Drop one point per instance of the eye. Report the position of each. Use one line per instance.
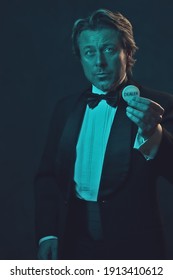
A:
(89, 53)
(109, 50)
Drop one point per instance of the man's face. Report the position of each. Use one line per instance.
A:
(102, 57)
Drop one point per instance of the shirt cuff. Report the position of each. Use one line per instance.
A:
(149, 147)
(47, 238)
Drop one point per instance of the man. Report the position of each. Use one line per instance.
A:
(96, 195)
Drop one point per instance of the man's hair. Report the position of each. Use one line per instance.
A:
(104, 18)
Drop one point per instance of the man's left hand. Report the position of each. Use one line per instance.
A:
(146, 114)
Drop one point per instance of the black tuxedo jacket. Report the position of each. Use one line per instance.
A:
(128, 189)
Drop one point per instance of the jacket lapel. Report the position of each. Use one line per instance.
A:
(118, 152)
(67, 148)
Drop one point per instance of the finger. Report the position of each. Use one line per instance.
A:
(144, 104)
(134, 118)
(151, 117)
(144, 126)
(136, 113)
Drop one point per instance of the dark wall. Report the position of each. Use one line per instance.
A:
(36, 68)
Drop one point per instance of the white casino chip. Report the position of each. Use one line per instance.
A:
(129, 92)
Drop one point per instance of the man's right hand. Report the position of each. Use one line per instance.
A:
(48, 250)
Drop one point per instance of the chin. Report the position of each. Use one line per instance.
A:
(104, 87)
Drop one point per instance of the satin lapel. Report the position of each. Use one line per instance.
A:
(67, 148)
(118, 151)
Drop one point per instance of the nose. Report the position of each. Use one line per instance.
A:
(100, 59)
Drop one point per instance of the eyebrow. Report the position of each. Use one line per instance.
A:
(103, 45)
(88, 46)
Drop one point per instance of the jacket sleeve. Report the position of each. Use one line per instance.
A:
(48, 200)
(163, 162)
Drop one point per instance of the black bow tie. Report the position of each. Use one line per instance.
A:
(93, 99)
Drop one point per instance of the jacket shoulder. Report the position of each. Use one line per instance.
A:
(70, 100)
(165, 99)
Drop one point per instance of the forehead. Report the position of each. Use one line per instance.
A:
(98, 37)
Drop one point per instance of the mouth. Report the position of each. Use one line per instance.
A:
(102, 74)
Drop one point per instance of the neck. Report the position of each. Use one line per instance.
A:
(120, 83)
(116, 86)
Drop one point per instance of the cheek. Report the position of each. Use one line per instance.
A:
(119, 64)
(87, 68)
